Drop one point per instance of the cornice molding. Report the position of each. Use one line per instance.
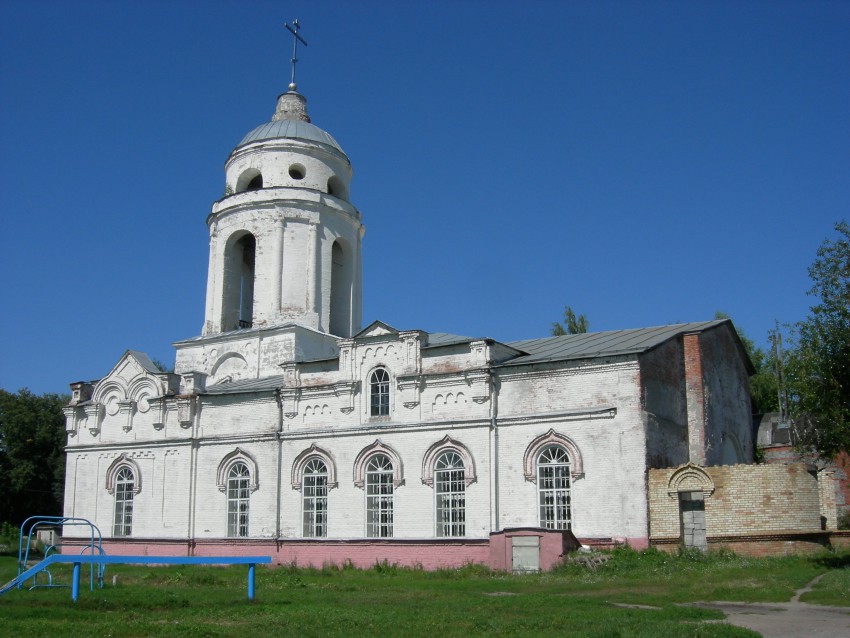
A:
(522, 372)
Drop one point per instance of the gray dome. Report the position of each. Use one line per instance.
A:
(291, 129)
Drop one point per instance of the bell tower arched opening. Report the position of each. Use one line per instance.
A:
(249, 180)
(342, 279)
(239, 272)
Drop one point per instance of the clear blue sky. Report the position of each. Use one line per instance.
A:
(643, 162)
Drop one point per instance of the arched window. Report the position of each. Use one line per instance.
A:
(379, 497)
(553, 487)
(249, 180)
(124, 490)
(342, 278)
(246, 250)
(450, 492)
(255, 184)
(238, 497)
(336, 187)
(314, 490)
(379, 392)
(238, 290)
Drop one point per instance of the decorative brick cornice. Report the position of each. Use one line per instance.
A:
(236, 456)
(447, 444)
(300, 462)
(94, 416)
(378, 447)
(112, 473)
(529, 459)
(690, 478)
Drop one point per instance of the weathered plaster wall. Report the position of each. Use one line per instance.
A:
(665, 405)
(608, 498)
(728, 412)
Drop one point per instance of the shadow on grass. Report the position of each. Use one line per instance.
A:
(832, 561)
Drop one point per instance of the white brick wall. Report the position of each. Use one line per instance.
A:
(597, 406)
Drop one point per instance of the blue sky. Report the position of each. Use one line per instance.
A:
(643, 162)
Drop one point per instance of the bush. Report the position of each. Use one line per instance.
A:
(8, 539)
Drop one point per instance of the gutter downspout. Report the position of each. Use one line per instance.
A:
(279, 463)
(495, 523)
(193, 475)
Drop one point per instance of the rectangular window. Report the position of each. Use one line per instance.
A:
(379, 506)
(123, 509)
(451, 502)
(125, 484)
(315, 506)
(238, 500)
(554, 490)
(380, 393)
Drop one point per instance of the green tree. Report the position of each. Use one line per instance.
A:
(572, 325)
(162, 366)
(32, 458)
(818, 371)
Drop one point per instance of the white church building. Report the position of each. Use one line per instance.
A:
(286, 428)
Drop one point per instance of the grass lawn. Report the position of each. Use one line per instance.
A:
(386, 601)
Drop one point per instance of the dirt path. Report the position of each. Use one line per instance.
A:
(787, 620)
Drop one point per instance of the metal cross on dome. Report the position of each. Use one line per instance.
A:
(295, 39)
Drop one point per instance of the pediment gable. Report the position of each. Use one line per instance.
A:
(132, 364)
(376, 329)
(133, 371)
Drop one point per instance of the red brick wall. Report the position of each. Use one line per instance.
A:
(694, 392)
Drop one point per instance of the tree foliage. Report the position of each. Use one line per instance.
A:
(32, 458)
(818, 369)
(572, 325)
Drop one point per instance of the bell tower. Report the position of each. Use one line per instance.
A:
(285, 241)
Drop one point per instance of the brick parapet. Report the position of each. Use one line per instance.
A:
(746, 499)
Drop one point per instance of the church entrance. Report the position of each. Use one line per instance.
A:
(692, 520)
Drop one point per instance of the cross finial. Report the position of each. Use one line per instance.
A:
(295, 39)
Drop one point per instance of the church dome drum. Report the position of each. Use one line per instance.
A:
(284, 240)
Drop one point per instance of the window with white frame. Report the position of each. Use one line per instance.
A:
(450, 493)
(553, 487)
(238, 497)
(379, 392)
(379, 497)
(314, 490)
(125, 484)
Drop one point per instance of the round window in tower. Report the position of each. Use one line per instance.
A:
(296, 171)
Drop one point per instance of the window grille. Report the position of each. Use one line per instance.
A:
(314, 487)
(124, 485)
(780, 434)
(379, 497)
(238, 491)
(553, 488)
(380, 392)
(450, 490)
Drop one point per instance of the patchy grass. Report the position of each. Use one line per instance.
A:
(834, 587)
(471, 601)
(654, 577)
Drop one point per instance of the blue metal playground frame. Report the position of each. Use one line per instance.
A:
(97, 559)
(103, 560)
(94, 547)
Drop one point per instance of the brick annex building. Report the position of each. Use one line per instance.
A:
(287, 429)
